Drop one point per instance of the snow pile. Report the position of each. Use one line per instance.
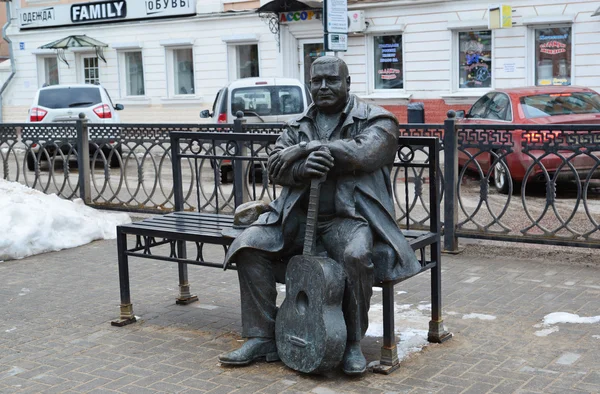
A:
(554, 318)
(411, 327)
(479, 316)
(33, 222)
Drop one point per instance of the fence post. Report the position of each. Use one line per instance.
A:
(240, 194)
(450, 183)
(83, 159)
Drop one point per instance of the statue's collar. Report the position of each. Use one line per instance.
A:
(353, 109)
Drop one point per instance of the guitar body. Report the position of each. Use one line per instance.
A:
(310, 329)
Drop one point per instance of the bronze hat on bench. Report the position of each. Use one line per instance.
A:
(245, 214)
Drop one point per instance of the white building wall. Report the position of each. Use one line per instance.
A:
(429, 32)
(210, 63)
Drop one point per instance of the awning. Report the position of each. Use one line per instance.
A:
(78, 41)
(277, 6)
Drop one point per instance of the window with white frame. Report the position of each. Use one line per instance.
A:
(133, 73)
(553, 54)
(91, 71)
(48, 71)
(243, 61)
(475, 59)
(182, 71)
(388, 72)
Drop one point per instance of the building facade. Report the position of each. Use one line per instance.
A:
(165, 60)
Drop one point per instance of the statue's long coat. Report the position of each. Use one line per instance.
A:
(363, 161)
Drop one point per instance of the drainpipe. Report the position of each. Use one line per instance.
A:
(10, 55)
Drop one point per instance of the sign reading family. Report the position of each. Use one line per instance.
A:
(103, 11)
(98, 11)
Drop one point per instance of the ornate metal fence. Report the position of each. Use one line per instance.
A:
(520, 183)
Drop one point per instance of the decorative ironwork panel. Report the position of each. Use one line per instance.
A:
(423, 130)
(530, 183)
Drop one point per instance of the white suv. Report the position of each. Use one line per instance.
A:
(64, 103)
(262, 100)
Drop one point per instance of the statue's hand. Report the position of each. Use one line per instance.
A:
(281, 161)
(317, 164)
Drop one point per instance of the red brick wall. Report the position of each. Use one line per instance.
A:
(435, 110)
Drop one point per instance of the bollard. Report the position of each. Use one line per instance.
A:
(83, 159)
(451, 184)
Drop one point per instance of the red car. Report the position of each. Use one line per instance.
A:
(548, 105)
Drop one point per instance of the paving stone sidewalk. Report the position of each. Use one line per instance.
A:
(55, 335)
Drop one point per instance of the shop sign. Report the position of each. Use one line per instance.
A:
(102, 11)
(98, 11)
(299, 16)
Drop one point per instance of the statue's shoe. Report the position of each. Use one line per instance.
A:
(254, 349)
(354, 362)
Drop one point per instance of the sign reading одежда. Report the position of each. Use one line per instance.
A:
(102, 11)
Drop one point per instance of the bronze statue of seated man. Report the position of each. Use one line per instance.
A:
(356, 210)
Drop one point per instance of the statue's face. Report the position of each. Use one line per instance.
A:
(329, 87)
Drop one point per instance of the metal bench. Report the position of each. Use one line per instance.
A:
(175, 232)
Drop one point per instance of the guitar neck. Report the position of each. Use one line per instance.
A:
(310, 236)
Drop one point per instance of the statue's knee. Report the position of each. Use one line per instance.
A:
(357, 255)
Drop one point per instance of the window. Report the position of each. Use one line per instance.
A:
(48, 71)
(243, 61)
(183, 71)
(69, 97)
(553, 56)
(475, 59)
(267, 101)
(247, 61)
(134, 73)
(560, 104)
(90, 70)
(388, 70)
(495, 106)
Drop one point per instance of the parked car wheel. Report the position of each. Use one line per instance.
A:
(502, 178)
(30, 162)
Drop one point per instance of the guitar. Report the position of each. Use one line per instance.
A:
(310, 330)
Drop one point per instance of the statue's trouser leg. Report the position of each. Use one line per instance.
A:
(350, 242)
(257, 273)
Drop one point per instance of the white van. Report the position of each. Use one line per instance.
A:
(262, 100)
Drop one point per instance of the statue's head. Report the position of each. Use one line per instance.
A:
(329, 84)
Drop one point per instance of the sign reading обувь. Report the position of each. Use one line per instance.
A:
(103, 11)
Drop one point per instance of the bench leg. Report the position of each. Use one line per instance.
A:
(126, 316)
(389, 352)
(437, 332)
(185, 297)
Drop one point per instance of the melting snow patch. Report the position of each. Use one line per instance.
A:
(24, 291)
(562, 317)
(596, 336)
(479, 316)
(401, 292)
(34, 222)
(281, 288)
(568, 358)
(411, 327)
(424, 307)
(546, 331)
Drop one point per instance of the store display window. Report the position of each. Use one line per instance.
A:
(553, 56)
(475, 59)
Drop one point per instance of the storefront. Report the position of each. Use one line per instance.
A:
(163, 60)
(444, 54)
(169, 68)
